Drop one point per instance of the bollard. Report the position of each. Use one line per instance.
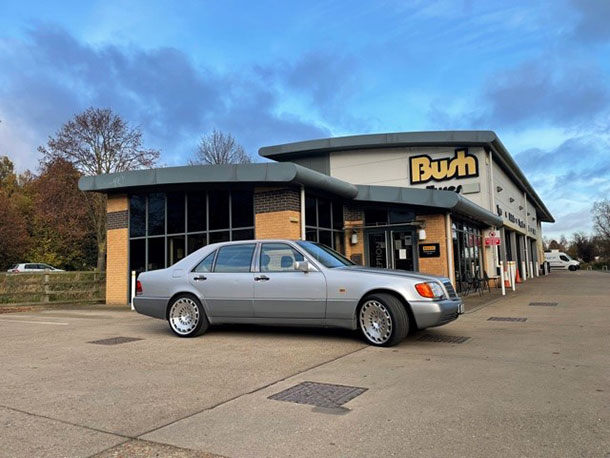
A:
(133, 287)
(513, 274)
(502, 278)
(537, 269)
(524, 270)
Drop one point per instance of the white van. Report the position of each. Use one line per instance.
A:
(559, 260)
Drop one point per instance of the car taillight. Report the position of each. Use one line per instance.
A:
(138, 288)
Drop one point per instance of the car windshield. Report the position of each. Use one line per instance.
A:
(324, 255)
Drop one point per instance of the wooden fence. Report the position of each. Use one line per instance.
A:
(52, 287)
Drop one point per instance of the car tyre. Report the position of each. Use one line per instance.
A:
(383, 320)
(572, 268)
(186, 316)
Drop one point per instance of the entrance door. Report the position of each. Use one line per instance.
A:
(389, 249)
(377, 248)
(403, 250)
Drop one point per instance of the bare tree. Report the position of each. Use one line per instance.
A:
(219, 148)
(98, 141)
(601, 218)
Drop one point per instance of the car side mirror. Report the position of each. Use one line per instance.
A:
(303, 266)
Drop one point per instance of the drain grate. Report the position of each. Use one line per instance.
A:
(319, 394)
(443, 339)
(544, 304)
(114, 340)
(505, 318)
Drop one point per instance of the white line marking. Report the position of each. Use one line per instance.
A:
(35, 322)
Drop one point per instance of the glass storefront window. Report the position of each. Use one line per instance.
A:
(219, 209)
(137, 215)
(164, 228)
(324, 222)
(175, 212)
(197, 212)
(156, 213)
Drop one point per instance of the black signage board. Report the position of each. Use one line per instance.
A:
(429, 250)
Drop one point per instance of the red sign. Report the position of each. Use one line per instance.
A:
(492, 240)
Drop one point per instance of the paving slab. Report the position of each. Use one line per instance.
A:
(27, 435)
(535, 388)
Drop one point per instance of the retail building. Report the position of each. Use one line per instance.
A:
(424, 201)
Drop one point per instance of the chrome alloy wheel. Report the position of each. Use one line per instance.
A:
(376, 322)
(184, 316)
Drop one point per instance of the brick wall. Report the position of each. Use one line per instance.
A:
(435, 233)
(276, 199)
(277, 213)
(278, 225)
(117, 249)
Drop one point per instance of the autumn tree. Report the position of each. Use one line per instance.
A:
(14, 239)
(96, 142)
(219, 148)
(63, 235)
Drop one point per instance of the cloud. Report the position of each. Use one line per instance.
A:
(560, 94)
(49, 76)
(569, 179)
(593, 21)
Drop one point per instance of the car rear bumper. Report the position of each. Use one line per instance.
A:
(150, 306)
(437, 313)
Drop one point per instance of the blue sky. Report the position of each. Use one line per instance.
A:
(537, 73)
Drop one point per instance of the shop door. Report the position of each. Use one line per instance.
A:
(377, 249)
(391, 249)
(403, 250)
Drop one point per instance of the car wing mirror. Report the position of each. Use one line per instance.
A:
(303, 266)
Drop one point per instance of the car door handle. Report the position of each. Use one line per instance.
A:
(200, 278)
(261, 278)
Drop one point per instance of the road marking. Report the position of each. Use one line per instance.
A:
(35, 322)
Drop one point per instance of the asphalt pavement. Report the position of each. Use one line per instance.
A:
(534, 381)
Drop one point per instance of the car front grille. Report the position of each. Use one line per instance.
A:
(450, 290)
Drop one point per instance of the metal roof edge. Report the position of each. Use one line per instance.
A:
(270, 172)
(447, 200)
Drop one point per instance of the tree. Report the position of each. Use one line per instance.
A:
(62, 232)
(14, 240)
(601, 218)
(219, 148)
(98, 141)
(583, 247)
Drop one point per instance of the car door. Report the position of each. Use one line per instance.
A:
(226, 281)
(280, 291)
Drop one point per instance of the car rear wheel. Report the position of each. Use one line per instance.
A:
(186, 317)
(383, 320)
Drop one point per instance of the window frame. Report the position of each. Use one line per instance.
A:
(260, 256)
(252, 258)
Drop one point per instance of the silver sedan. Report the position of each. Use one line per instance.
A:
(284, 282)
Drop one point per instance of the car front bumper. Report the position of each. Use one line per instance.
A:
(429, 314)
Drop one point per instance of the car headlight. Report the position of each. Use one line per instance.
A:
(430, 290)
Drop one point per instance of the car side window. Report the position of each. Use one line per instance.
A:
(234, 258)
(206, 264)
(279, 257)
(30, 266)
(564, 258)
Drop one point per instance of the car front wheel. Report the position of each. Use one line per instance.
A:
(383, 320)
(186, 317)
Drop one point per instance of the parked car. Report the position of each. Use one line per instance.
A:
(559, 260)
(33, 267)
(301, 283)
